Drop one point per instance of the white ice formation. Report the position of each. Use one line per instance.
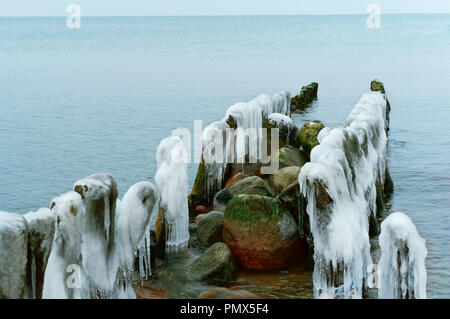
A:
(221, 146)
(340, 186)
(133, 235)
(64, 278)
(172, 184)
(401, 270)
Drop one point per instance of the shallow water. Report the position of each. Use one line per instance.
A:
(76, 102)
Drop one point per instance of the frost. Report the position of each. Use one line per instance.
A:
(172, 183)
(339, 184)
(402, 270)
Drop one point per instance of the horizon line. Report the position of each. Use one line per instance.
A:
(228, 15)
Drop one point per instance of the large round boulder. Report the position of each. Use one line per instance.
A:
(210, 228)
(249, 185)
(214, 265)
(283, 178)
(261, 233)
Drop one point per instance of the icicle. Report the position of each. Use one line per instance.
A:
(133, 236)
(172, 183)
(402, 272)
(339, 184)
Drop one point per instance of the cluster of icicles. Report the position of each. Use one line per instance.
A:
(106, 250)
(222, 144)
(346, 165)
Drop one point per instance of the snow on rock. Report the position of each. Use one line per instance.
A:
(99, 194)
(402, 273)
(41, 229)
(13, 255)
(339, 184)
(172, 183)
(62, 279)
(133, 235)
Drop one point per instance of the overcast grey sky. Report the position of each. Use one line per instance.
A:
(216, 7)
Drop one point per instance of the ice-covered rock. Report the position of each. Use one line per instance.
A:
(13, 255)
(133, 235)
(172, 183)
(99, 194)
(402, 272)
(64, 276)
(340, 186)
(41, 230)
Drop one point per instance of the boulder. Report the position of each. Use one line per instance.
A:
(13, 255)
(198, 193)
(378, 86)
(214, 265)
(261, 233)
(235, 178)
(307, 136)
(41, 230)
(210, 228)
(249, 185)
(283, 177)
(224, 293)
(307, 94)
(290, 156)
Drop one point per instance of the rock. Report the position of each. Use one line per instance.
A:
(99, 194)
(235, 179)
(261, 233)
(283, 178)
(198, 193)
(210, 228)
(200, 209)
(247, 168)
(376, 85)
(158, 250)
(224, 293)
(13, 255)
(290, 156)
(197, 219)
(41, 230)
(308, 136)
(388, 184)
(249, 185)
(287, 131)
(151, 293)
(214, 265)
(307, 94)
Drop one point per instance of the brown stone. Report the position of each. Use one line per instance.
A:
(235, 178)
(224, 293)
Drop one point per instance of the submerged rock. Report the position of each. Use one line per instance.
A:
(224, 293)
(307, 94)
(13, 255)
(261, 233)
(210, 228)
(41, 230)
(307, 136)
(250, 185)
(283, 178)
(290, 156)
(214, 265)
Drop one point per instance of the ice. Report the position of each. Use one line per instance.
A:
(66, 252)
(339, 184)
(222, 146)
(13, 255)
(133, 237)
(41, 229)
(172, 184)
(280, 119)
(402, 273)
(99, 193)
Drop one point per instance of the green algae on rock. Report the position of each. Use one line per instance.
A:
(307, 136)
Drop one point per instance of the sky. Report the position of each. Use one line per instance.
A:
(216, 7)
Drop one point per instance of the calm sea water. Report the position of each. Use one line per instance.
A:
(100, 98)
